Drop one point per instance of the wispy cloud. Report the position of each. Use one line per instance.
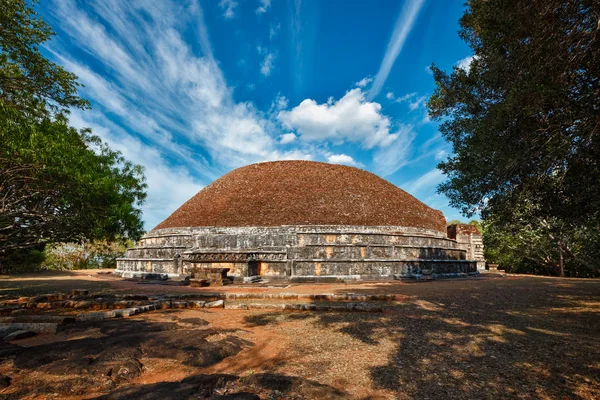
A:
(155, 94)
(168, 185)
(419, 102)
(401, 99)
(267, 64)
(303, 18)
(364, 82)
(263, 6)
(274, 30)
(228, 6)
(389, 159)
(404, 25)
(426, 182)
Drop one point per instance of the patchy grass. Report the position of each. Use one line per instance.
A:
(512, 337)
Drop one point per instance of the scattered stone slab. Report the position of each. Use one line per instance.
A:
(57, 319)
(38, 327)
(215, 304)
(96, 316)
(7, 329)
(80, 292)
(252, 279)
(17, 335)
(367, 307)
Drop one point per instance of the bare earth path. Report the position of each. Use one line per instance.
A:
(478, 338)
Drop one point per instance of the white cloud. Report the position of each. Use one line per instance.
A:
(406, 97)
(393, 157)
(440, 155)
(287, 138)
(428, 70)
(426, 182)
(401, 99)
(274, 30)
(364, 82)
(351, 118)
(293, 155)
(266, 66)
(263, 6)
(413, 101)
(228, 6)
(280, 103)
(417, 103)
(342, 159)
(404, 25)
(465, 63)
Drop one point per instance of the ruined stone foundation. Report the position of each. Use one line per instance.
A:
(300, 253)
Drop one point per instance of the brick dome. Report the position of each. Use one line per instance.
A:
(303, 193)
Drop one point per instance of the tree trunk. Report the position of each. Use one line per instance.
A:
(561, 262)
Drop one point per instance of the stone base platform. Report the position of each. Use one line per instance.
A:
(294, 253)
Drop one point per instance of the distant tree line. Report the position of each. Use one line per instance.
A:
(524, 123)
(57, 184)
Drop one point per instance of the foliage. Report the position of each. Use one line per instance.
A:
(57, 184)
(475, 222)
(86, 255)
(61, 185)
(524, 124)
(28, 81)
(22, 261)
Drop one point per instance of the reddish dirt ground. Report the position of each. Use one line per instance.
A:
(516, 337)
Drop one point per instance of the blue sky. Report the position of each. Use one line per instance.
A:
(192, 89)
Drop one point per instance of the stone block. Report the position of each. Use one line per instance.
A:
(17, 335)
(96, 316)
(215, 304)
(39, 327)
(251, 279)
(6, 329)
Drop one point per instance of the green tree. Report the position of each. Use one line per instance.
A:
(524, 122)
(57, 184)
(28, 81)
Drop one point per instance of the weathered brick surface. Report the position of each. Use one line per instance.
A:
(303, 193)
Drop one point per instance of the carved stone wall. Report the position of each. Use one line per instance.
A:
(288, 251)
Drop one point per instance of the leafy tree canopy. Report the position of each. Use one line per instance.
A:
(524, 119)
(57, 184)
(60, 185)
(28, 81)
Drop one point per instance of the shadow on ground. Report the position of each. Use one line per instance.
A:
(222, 386)
(525, 338)
(49, 282)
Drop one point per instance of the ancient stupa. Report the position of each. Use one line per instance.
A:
(301, 220)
